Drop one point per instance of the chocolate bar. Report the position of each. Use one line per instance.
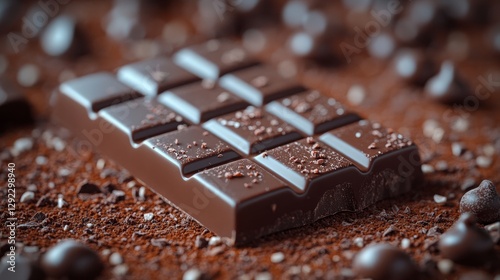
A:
(245, 152)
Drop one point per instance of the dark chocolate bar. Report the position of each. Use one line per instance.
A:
(246, 154)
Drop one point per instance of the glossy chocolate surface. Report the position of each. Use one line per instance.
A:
(97, 91)
(260, 84)
(142, 118)
(311, 112)
(153, 76)
(202, 101)
(214, 58)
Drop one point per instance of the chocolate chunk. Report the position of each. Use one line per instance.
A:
(381, 46)
(447, 86)
(483, 202)
(259, 84)
(214, 58)
(308, 46)
(413, 66)
(153, 76)
(197, 108)
(311, 112)
(25, 269)
(466, 243)
(73, 260)
(192, 149)
(88, 188)
(97, 91)
(14, 108)
(252, 130)
(142, 118)
(384, 261)
(62, 37)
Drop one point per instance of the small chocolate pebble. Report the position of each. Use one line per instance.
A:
(447, 86)
(70, 259)
(483, 201)
(384, 261)
(466, 243)
(25, 269)
(88, 188)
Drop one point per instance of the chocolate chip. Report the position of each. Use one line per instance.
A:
(483, 202)
(72, 260)
(414, 67)
(201, 242)
(466, 243)
(307, 46)
(381, 46)
(447, 86)
(62, 37)
(384, 261)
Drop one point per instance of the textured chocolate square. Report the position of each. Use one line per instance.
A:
(214, 58)
(260, 84)
(142, 118)
(192, 149)
(201, 101)
(97, 91)
(252, 130)
(152, 76)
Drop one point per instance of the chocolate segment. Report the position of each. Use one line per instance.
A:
(364, 141)
(259, 84)
(201, 101)
(240, 181)
(192, 149)
(252, 130)
(311, 112)
(152, 76)
(304, 163)
(214, 58)
(97, 91)
(142, 118)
